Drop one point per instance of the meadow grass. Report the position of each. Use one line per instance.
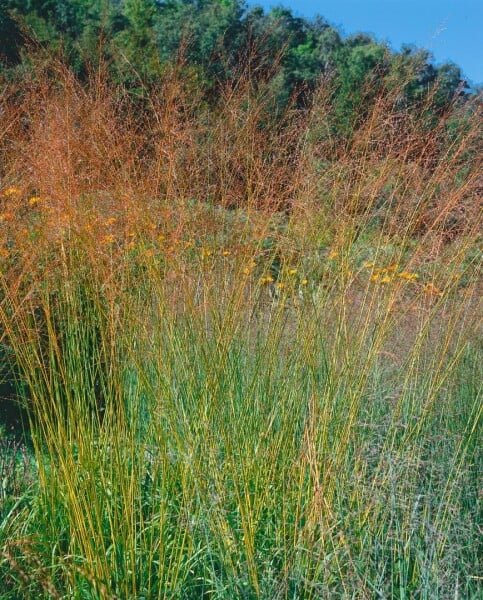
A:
(250, 352)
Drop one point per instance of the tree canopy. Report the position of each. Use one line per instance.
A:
(221, 39)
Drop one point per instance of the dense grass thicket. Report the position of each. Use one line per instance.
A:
(248, 347)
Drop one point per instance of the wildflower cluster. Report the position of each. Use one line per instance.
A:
(385, 275)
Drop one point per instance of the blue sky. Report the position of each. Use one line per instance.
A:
(449, 29)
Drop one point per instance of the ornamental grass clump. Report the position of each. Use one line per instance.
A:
(223, 402)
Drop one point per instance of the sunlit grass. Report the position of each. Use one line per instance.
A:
(245, 378)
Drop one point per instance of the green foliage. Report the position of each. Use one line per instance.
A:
(205, 33)
(361, 66)
(10, 36)
(222, 39)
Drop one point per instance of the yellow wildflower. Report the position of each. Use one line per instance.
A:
(246, 271)
(226, 253)
(304, 282)
(386, 279)
(408, 276)
(375, 277)
(34, 200)
(280, 286)
(292, 272)
(333, 255)
(109, 221)
(12, 191)
(392, 267)
(107, 240)
(368, 265)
